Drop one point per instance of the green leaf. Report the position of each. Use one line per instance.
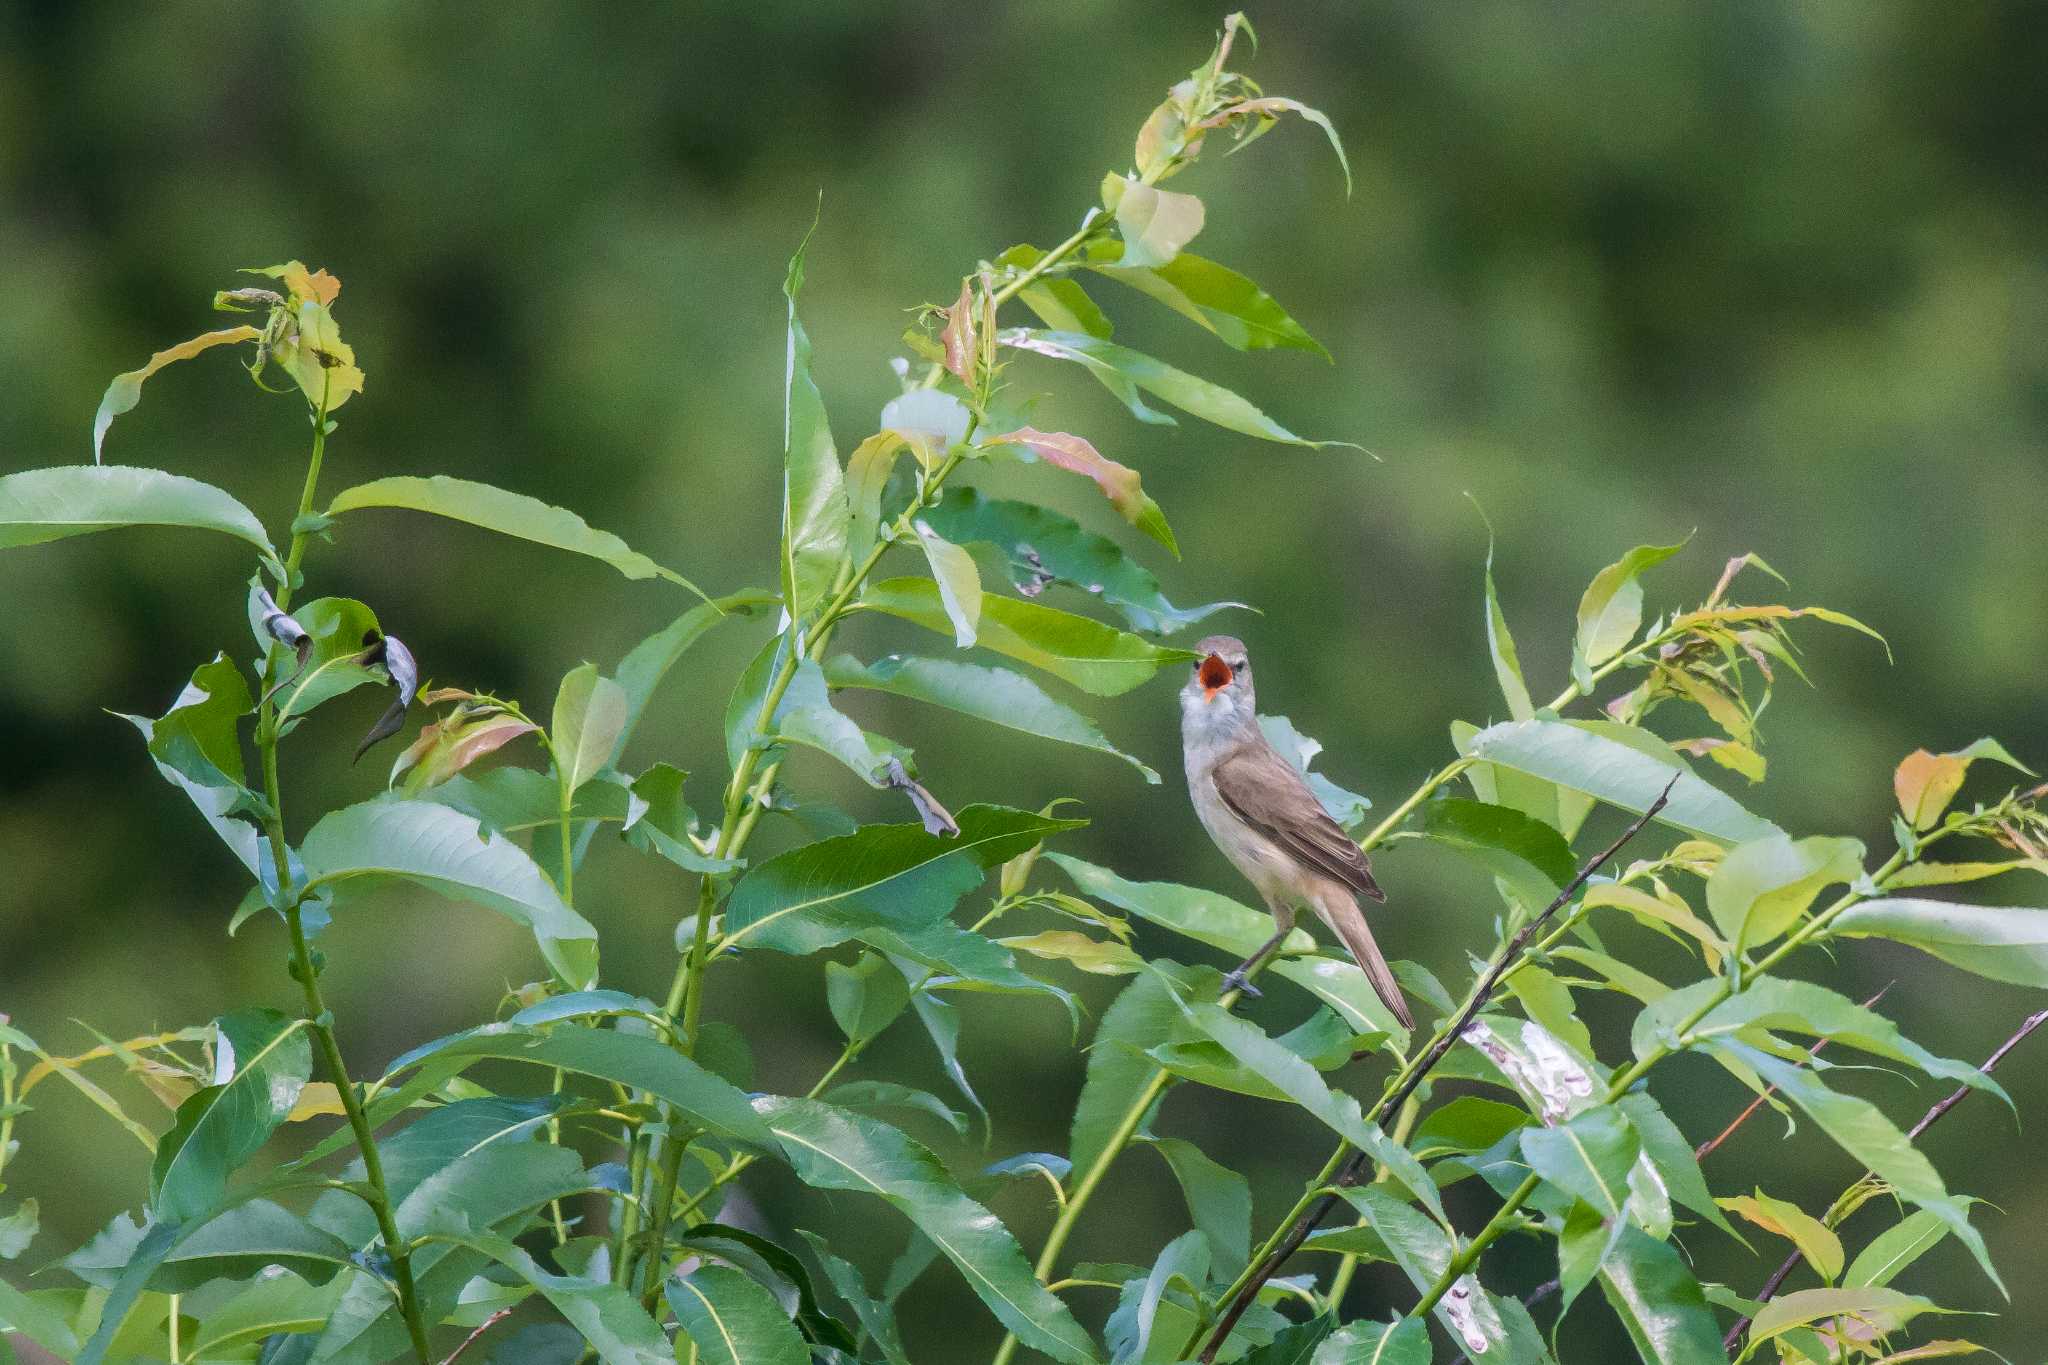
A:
(805, 715)
(1816, 1240)
(1588, 1157)
(1119, 483)
(1500, 644)
(1039, 547)
(34, 1317)
(865, 997)
(2005, 943)
(870, 1095)
(1611, 611)
(1300, 1344)
(1590, 757)
(942, 1025)
(1471, 1315)
(1059, 301)
(1466, 1124)
(1404, 1341)
(449, 852)
(814, 505)
(648, 662)
(1506, 841)
(1863, 1131)
(1154, 223)
(1200, 915)
(1211, 295)
(877, 1316)
(1219, 1201)
(1548, 1001)
(339, 629)
(1552, 1080)
(1141, 1017)
(263, 1059)
(987, 693)
(634, 1060)
(18, 1229)
(608, 1317)
(1886, 1309)
(233, 1245)
(958, 581)
(1096, 956)
(1805, 1007)
(197, 747)
(896, 876)
(1301, 1083)
(39, 505)
(1666, 1149)
(1763, 887)
(1092, 656)
(731, 1320)
(1210, 402)
(508, 513)
(832, 1149)
(590, 715)
(1892, 1250)
(1654, 1294)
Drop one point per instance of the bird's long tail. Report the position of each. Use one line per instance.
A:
(1342, 914)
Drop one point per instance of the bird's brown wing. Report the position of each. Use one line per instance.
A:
(1263, 790)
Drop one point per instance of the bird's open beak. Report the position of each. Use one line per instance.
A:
(1215, 676)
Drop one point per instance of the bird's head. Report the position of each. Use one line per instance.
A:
(1219, 690)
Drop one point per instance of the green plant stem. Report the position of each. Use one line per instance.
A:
(1127, 1127)
(745, 794)
(1404, 1127)
(307, 971)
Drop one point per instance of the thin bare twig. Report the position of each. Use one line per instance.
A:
(1445, 1039)
(1701, 1152)
(486, 1325)
(1927, 1120)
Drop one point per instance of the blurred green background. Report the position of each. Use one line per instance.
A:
(1771, 274)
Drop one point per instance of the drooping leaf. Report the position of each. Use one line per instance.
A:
(987, 693)
(814, 506)
(1119, 483)
(590, 715)
(1862, 1130)
(1219, 1201)
(896, 876)
(1780, 1003)
(449, 852)
(942, 1025)
(1653, 1292)
(39, 505)
(1589, 757)
(958, 581)
(731, 1320)
(1039, 548)
(1210, 402)
(835, 1150)
(607, 1317)
(198, 744)
(1092, 656)
(1816, 1241)
(1154, 223)
(1211, 295)
(2005, 943)
(1141, 1017)
(1763, 886)
(126, 389)
(865, 996)
(262, 1060)
(508, 513)
(1611, 611)
(805, 715)
(1266, 109)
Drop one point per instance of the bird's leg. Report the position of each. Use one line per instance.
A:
(1240, 976)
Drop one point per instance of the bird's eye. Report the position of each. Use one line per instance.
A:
(1239, 665)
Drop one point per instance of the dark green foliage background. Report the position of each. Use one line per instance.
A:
(1770, 272)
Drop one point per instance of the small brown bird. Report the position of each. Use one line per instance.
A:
(1261, 813)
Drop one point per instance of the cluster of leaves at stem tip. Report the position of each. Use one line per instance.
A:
(422, 1212)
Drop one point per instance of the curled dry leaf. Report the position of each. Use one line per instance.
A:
(404, 672)
(960, 337)
(937, 819)
(126, 389)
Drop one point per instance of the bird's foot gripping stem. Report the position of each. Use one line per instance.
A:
(1240, 979)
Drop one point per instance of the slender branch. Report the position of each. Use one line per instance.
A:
(1927, 1120)
(486, 1325)
(1284, 1244)
(1706, 1148)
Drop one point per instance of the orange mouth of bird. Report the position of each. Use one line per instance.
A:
(1215, 675)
